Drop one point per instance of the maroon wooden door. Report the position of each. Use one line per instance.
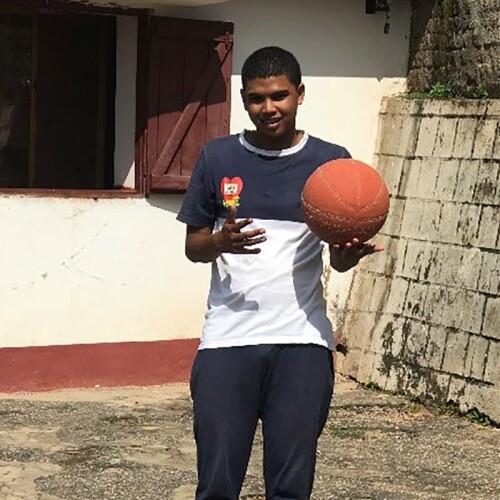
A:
(189, 84)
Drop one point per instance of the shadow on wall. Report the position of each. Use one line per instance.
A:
(329, 37)
(422, 14)
(171, 203)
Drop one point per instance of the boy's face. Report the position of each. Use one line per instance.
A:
(271, 104)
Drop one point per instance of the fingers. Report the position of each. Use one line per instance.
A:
(231, 219)
(231, 215)
(368, 248)
(254, 233)
(234, 240)
(356, 248)
(247, 239)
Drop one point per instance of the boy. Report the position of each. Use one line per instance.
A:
(266, 347)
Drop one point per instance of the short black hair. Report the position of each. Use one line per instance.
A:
(271, 61)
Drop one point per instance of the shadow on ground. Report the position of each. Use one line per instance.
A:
(137, 443)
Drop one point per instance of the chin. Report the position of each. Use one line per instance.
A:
(272, 134)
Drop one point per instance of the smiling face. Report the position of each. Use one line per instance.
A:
(271, 104)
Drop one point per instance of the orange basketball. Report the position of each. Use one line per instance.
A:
(345, 199)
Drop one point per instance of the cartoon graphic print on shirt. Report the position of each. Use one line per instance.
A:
(231, 190)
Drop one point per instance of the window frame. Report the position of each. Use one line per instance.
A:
(32, 7)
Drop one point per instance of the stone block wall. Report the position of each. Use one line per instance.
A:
(455, 41)
(423, 317)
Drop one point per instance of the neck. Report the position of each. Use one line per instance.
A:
(286, 141)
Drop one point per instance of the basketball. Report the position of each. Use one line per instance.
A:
(345, 199)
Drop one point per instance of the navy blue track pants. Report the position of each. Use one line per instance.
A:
(289, 387)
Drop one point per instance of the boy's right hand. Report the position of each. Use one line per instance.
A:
(232, 239)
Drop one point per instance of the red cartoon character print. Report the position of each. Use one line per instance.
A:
(231, 190)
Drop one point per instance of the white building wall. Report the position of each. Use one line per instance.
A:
(101, 270)
(87, 271)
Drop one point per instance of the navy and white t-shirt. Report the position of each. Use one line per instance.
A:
(276, 296)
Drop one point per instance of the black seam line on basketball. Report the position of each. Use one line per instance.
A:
(326, 215)
(342, 202)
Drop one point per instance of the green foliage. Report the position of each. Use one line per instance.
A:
(477, 417)
(442, 91)
(451, 408)
(480, 92)
(446, 91)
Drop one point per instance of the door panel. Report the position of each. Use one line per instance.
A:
(189, 96)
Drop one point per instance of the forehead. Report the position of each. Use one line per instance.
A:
(270, 85)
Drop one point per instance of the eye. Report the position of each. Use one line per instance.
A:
(254, 99)
(280, 96)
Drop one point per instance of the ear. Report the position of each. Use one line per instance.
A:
(301, 90)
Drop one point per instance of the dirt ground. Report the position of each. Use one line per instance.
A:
(137, 443)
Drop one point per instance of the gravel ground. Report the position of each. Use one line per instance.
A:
(137, 443)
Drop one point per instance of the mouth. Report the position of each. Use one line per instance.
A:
(271, 123)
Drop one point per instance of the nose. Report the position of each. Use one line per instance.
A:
(269, 107)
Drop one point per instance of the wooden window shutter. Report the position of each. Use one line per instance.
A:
(189, 91)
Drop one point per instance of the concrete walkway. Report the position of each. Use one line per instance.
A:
(137, 444)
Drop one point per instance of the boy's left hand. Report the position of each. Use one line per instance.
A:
(345, 257)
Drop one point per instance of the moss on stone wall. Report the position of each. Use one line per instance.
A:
(455, 42)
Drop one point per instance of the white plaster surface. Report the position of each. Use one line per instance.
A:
(87, 271)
